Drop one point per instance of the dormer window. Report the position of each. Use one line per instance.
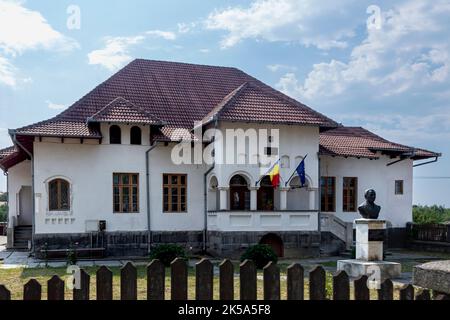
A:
(136, 135)
(115, 135)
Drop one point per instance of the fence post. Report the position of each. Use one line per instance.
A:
(55, 288)
(295, 282)
(179, 279)
(226, 280)
(448, 232)
(156, 279)
(424, 295)
(5, 294)
(82, 293)
(247, 274)
(386, 291)
(204, 277)
(317, 279)
(361, 290)
(407, 293)
(104, 284)
(32, 290)
(341, 286)
(271, 281)
(128, 282)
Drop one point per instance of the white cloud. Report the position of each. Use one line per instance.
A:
(168, 35)
(115, 53)
(305, 22)
(408, 129)
(410, 51)
(205, 50)
(25, 29)
(54, 106)
(186, 27)
(7, 73)
(21, 30)
(279, 67)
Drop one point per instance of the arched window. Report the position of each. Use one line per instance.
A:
(58, 195)
(115, 135)
(239, 193)
(135, 135)
(266, 195)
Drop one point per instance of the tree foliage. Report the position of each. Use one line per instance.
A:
(430, 214)
(3, 213)
(3, 196)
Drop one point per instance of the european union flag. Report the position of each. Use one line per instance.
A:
(301, 172)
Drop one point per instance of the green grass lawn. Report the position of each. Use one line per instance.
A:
(14, 279)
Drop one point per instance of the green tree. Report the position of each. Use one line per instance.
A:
(430, 214)
(3, 213)
(3, 196)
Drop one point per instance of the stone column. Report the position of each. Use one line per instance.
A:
(312, 198)
(223, 194)
(253, 198)
(370, 234)
(283, 198)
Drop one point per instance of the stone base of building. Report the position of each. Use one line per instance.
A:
(382, 269)
(295, 244)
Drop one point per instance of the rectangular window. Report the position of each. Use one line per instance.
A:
(328, 194)
(349, 194)
(174, 192)
(398, 186)
(125, 192)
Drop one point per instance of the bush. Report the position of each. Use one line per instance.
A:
(430, 214)
(260, 254)
(166, 253)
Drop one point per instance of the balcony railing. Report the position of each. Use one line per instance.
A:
(299, 220)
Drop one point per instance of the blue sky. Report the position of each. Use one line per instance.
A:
(388, 72)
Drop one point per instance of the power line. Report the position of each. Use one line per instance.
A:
(431, 177)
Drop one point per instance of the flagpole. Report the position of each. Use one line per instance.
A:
(295, 170)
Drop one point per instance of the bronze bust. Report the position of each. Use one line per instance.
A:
(368, 209)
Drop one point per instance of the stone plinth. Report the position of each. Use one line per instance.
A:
(370, 234)
(433, 275)
(380, 270)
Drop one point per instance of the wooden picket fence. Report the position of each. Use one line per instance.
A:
(204, 279)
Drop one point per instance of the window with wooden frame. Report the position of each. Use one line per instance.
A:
(349, 194)
(328, 194)
(125, 192)
(398, 187)
(59, 195)
(174, 192)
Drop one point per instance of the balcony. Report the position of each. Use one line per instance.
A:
(296, 220)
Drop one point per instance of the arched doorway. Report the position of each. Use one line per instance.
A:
(239, 193)
(275, 242)
(266, 195)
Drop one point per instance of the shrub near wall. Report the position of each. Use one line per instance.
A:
(261, 254)
(166, 253)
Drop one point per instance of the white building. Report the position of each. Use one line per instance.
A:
(102, 173)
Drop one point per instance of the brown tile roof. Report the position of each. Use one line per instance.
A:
(253, 103)
(179, 94)
(7, 152)
(361, 143)
(121, 110)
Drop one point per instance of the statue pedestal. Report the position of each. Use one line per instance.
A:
(370, 234)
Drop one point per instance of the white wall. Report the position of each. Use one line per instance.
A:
(376, 175)
(294, 142)
(18, 176)
(89, 167)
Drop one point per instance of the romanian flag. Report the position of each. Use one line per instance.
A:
(274, 174)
